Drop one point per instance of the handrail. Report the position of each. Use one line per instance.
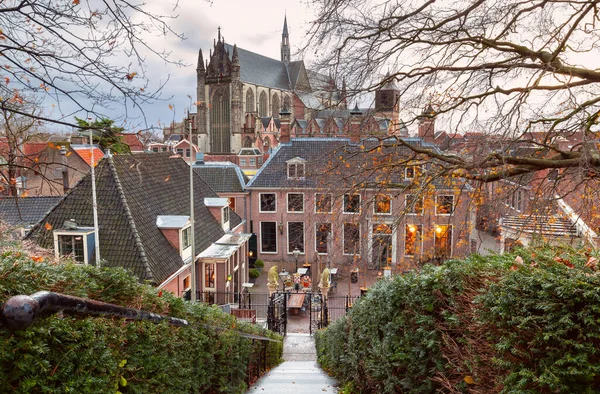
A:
(20, 311)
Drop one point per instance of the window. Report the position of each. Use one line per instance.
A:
(351, 238)
(414, 204)
(268, 237)
(262, 104)
(72, 245)
(444, 205)
(252, 162)
(249, 101)
(323, 202)
(515, 200)
(295, 170)
(179, 151)
(383, 204)
(260, 161)
(295, 202)
(243, 162)
(186, 236)
(209, 275)
(164, 149)
(443, 241)
(268, 202)
(155, 149)
(351, 203)
(295, 236)
(187, 152)
(409, 173)
(412, 239)
(187, 282)
(275, 106)
(225, 215)
(58, 173)
(322, 237)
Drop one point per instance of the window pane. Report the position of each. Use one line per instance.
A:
(268, 236)
(267, 202)
(412, 239)
(187, 235)
(409, 172)
(351, 203)
(351, 238)
(323, 202)
(443, 241)
(323, 232)
(295, 202)
(383, 203)
(295, 236)
(414, 204)
(445, 205)
(71, 245)
(209, 275)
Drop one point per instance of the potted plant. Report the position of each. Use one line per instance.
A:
(259, 264)
(253, 274)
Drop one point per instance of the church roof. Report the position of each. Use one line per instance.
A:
(261, 70)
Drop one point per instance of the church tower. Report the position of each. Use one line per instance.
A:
(285, 43)
(201, 125)
(387, 99)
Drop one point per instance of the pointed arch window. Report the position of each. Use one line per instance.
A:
(249, 101)
(286, 103)
(220, 119)
(262, 104)
(275, 105)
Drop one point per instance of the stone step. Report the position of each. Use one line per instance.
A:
(298, 377)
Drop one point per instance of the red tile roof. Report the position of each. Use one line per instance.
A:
(86, 155)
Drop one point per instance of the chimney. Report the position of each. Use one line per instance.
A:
(65, 169)
(427, 124)
(284, 117)
(355, 123)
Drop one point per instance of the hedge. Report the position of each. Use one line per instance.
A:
(527, 322)
(74, 354)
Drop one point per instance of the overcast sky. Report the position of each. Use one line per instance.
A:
(255, 26)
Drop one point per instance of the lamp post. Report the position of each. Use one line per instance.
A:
(296, 253)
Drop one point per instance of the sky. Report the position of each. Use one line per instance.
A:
(252, 25)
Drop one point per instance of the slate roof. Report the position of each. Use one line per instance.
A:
(261, 70)
(222, 177)
(25, 211)
(132, 190)
(328, 161)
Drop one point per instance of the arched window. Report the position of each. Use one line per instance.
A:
(286, 103)
(249, 101)
(262, 104)
(247, 142)
(275, 105)
(220, 118)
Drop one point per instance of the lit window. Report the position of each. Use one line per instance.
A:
(295, 202)
(412, 239)
(268, 202)
(409, 173)
(414, 204)
(443, 241)
(351, 203)
(268, 237)
(209, 275)
(323, 202)
(383, 204)
(351, 238)
(322, 237)
(295, 236)
(444, 205)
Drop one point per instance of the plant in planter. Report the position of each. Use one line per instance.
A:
(259, 264)
(253, 274)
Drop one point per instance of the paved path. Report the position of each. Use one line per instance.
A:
(299, 373)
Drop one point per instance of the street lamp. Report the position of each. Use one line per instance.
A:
(296, 253)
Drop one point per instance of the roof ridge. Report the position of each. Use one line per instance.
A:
(136, 235)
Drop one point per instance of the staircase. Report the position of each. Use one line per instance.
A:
(299, 373)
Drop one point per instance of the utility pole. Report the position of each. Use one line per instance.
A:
(193, 266)
(94, 203)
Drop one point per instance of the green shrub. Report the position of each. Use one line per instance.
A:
(486, 323)
(259, 263)
(75, 354)
(253, 273)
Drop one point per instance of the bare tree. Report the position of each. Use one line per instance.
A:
(84, 56)
(521, 72)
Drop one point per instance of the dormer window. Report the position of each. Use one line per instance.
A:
(186, 236)
(225, 216)
(296, 168)
(177, 230)
(75, 242)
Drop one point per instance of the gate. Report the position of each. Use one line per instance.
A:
(277, 313)
(319, 316)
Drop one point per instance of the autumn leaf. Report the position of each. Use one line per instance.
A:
(130, 76)
(48, 226)
(24, 194)
(160, 293)
(591, 262)
(171, 107)
(37, 259)
(76, 2)
(469, 380)
(168, 178)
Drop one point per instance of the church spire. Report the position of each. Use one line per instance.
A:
(285, 42)
(200, 66)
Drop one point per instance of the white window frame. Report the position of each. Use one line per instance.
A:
(344, 203)
(86, 231)
(453, 205)
(276, 237)
(344, 239)
(243, 162)
(182, 231)
(260, 203)
(204, 266)
(252, 162)
(225, 216)
(375, 205)
(406, 204)
(406, 177)
(303, 251)
(330, 202)
(288, 203)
